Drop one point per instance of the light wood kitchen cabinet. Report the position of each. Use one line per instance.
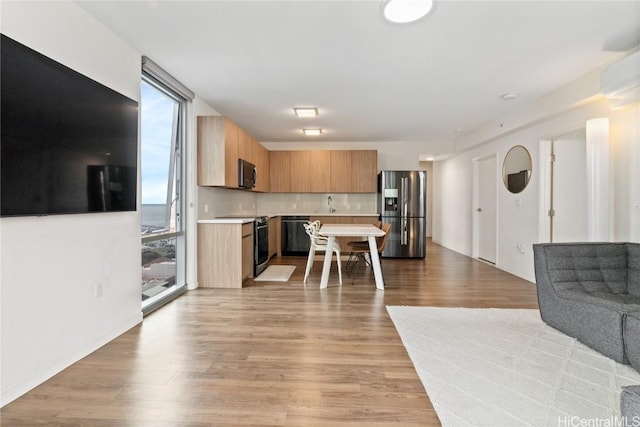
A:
(231, 154)
(225, 255)
(332, 219)
(341, 170)
(220, 144)
(245, 146)
(354, 171)
(275, 236)
(263, 166)
(324, 171)
(280, 171)
(364, 219)
(320, 171)
(217, 151)
(364, 171)
(300, 167)
(337, 219)
(247, 251)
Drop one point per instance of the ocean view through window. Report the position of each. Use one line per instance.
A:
(153, 215)
(161, 132)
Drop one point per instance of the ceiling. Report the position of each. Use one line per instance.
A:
(372, 80)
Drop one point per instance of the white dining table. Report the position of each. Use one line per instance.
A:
(370, 231)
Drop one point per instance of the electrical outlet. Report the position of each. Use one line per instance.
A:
(99, 291)
(206, 208)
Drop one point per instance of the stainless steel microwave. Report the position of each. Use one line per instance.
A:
(247, 174)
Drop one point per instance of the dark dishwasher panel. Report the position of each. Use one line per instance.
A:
(295, 240)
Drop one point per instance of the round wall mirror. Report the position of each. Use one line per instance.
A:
(516, 169)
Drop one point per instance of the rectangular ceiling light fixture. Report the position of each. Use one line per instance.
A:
(312, 132)
(306, 112)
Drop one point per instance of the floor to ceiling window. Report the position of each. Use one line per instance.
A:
(163, 247)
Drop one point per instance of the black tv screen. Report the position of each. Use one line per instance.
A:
(68, 143)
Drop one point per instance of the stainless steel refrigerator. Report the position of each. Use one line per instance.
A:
(402, 202)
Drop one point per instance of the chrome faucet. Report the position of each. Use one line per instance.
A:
(330, 204)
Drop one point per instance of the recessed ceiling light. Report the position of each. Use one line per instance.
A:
(312, 132)
(404, 11)
(306, 112)
(509, 96)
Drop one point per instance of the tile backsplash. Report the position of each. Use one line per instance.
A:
(219, 202)
(321, 203)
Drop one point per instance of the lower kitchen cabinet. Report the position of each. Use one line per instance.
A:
(225, 254)
(275, 237)
(247, 251)
(337, 219)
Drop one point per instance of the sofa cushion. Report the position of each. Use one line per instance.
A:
(631, 338)
(633, 252)
(630, 404)
(592, 267)
(619, 302)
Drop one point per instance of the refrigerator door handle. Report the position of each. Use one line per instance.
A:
(404, 188)
(404, 237)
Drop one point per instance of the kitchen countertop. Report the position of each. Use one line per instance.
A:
(247, 219)
(243, 220)
(322, 214)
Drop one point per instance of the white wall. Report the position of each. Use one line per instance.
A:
(565, 110)
(625, 134)
(428, 167)
(51, 266)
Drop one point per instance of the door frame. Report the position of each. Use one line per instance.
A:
(475, 244)
(598, 190)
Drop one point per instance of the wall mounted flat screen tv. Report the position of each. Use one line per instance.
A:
(68, 143)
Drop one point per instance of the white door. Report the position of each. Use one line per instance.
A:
(486, 210)
(569, 222)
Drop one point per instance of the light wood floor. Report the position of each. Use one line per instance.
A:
(272, 353)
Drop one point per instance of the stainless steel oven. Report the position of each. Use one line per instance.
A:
(261, 247)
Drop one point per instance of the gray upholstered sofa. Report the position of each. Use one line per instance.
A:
(591, 291)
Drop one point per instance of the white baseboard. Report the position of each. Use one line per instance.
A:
(17, 390)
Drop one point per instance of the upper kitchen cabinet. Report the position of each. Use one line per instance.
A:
(320, 171)
(354, 171)
(262, 162)
(217, 151)
(280, 171)
(364, 171)
(300, 171)
(341, 170)
(220, 144)
(245, 146)
(324, 171)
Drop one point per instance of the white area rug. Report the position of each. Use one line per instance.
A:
(276, 273)
(504, 367)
